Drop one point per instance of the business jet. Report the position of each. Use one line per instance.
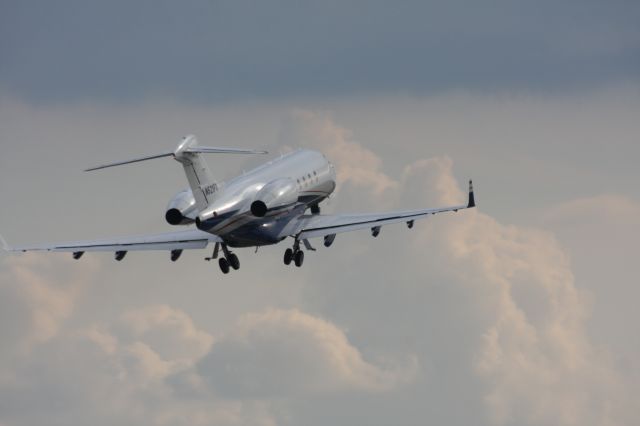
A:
(277, 200)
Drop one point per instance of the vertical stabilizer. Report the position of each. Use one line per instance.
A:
(188, 153)
(201, 181)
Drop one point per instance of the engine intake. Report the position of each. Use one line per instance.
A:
(258, 208)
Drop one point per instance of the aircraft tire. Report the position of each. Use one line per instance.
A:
(234, 261)
(288, 256)
(224, 265)
(299, 258)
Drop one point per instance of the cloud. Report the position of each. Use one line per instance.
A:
(535, 356)
(355, 165)
(290, 353)
(531, 351)
(37, 294)
(169, 331)
(125, 372)
(492, 316)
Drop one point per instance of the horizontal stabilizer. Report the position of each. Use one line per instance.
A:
(135, 160)
(216, 150)
(189, 150)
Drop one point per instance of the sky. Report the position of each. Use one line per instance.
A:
(519, 312)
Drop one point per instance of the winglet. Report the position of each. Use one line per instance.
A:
(472, 201)
(5, 246)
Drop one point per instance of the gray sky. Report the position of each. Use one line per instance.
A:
(520, 313)
(208, 51)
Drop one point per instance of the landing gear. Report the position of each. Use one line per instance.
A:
(224, 265)
(294, 254)
(233, 261)
(226, 262)
(288, 256)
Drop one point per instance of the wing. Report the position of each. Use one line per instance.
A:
(188, 239)
(322, 225)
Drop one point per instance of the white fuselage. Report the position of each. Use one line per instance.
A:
(306, 174)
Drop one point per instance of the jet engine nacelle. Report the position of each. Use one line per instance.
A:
(182, 209)
(276, 194)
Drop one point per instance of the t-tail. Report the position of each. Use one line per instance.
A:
(188, 153)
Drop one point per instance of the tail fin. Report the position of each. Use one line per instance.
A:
(201, 181)
(188, 153)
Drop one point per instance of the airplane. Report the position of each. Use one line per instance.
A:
(262, 207)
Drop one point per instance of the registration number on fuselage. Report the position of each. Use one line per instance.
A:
(210, 189)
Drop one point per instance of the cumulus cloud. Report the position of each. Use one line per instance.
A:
(531, 353)
(37, 294)
(535, 355)
(288, 352)
(355, 164)
(465, 319)
(126, 372)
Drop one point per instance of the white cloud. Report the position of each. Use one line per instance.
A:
(533, 356)
(463, 320)
(37, 294)
(123, 373)
(290, 353)
(355, 165)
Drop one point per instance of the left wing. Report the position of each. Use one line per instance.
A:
(323, 225)
(188, 239)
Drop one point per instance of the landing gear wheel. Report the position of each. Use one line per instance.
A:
(224, 265)
(298, 258)
(288, 256)
(233, 261)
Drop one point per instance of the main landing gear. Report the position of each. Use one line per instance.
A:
(228, 261)
(297, 257)
(294, 254)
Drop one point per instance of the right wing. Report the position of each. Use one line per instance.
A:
(322, 225)
(180, 240)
